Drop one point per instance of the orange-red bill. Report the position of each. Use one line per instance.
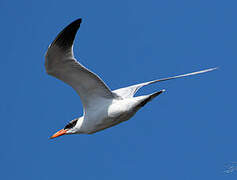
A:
(59, 133)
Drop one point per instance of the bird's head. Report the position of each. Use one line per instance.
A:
(70, 128)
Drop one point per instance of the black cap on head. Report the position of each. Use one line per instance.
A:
(71, 124)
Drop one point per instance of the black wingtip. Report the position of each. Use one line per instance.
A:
(66, 37)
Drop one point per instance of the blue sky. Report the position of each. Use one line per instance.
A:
(189, 132)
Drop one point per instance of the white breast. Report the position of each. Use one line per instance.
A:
(108, 114)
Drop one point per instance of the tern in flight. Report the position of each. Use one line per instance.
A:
(102, 107)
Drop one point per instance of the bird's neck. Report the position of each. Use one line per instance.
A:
(79, 123)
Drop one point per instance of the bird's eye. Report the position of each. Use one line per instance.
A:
(71, 124)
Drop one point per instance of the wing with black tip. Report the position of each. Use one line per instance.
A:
(60, 63)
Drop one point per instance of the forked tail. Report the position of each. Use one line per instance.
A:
(150, 97)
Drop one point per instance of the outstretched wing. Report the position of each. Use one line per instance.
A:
(130, 91)
(60, 63)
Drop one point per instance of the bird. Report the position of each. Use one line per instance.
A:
(102, 107)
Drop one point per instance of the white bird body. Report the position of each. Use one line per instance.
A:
(103, 108)
(108, 113)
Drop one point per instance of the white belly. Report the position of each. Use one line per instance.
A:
(109, 115)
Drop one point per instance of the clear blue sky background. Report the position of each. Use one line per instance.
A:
(187, 133)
